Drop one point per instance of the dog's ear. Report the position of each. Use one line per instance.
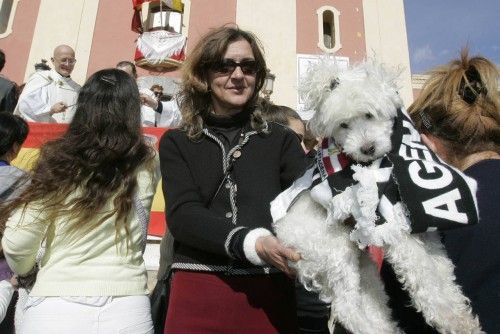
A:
(334, 83)
(317, 83)
(385, 80)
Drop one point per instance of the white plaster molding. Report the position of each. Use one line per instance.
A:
(12, 14)
(336, 23)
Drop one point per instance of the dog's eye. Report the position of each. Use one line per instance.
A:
(344, 125)
(368, 116)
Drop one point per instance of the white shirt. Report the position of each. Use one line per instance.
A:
(148, 114)
(100, 262)
(42, 91)
(6, 292)
(171, 116)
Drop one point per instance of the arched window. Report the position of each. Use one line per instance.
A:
(328, 29)
(7, 13)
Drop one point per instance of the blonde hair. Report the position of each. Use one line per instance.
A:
(459, 103)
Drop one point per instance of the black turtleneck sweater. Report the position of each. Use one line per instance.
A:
(200, 205)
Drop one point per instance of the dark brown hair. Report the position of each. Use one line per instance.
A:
(280, 114)
(95, 161)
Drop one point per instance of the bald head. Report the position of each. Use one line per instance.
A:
(63, 49)
(64, 60)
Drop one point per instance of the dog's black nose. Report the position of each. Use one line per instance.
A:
(368, 149)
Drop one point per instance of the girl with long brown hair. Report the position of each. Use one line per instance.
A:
(88, 204)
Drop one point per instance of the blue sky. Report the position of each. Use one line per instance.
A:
(438, 29)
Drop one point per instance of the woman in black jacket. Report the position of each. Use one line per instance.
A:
(220, 171)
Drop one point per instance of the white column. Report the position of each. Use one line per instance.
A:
(274, 23)
(386, 39)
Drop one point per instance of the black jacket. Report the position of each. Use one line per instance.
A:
(208, 230)
(475, 253)
(8, 99)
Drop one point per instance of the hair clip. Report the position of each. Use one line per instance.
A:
(471, 86)
(108, 79)
(426, 122)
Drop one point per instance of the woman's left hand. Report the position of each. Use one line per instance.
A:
(274, 253)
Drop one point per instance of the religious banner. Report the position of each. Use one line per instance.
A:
(142, 10)
(160, 48)
(160, 45)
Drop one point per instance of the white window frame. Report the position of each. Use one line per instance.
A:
(10, 22)
(336, 28)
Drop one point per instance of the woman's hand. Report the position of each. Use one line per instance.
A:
(274, 253)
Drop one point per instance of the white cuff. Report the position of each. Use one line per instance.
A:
(249, 245)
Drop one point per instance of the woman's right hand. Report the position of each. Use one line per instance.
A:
(274, 253)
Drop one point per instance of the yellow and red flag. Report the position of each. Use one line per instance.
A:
(42, 132)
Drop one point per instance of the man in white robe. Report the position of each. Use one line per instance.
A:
(50, 96)
(170, 116)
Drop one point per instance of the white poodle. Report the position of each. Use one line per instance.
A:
(331, 219)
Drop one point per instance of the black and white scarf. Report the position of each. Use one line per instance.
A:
(434, 194)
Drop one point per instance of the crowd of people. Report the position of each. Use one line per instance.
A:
(50, 95)
(74, 227)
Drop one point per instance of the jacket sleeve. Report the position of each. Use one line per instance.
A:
(189, 221)
(23, 234)
(293, 163)
(10, 100)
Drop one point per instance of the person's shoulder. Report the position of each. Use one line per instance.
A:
(76, 85)
(6, 82)
(40, 78)
(10, 175)
(12, 171)
(484, 168)
(174, 134)
(73, 84)
(43, 74)
(278, 129)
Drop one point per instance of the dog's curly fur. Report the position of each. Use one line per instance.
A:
(356, 107)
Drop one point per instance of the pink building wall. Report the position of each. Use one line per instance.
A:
(17, 45)
(113, 39)
(351, 27)
(206, 15)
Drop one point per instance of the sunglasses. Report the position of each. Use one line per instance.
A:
(227, 66)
